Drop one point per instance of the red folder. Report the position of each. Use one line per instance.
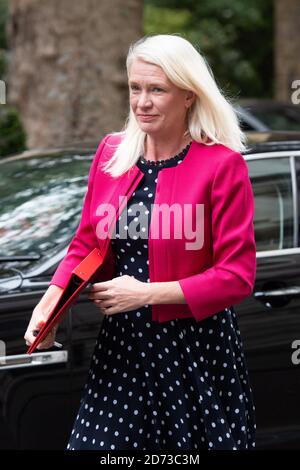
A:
(80, 277)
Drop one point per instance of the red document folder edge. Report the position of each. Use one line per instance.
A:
(80, 277)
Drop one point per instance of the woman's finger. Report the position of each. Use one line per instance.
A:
(29, 337)
(47, 342)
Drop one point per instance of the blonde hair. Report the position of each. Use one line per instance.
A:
(211, 118)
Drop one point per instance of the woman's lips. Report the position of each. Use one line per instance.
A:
(147, 117)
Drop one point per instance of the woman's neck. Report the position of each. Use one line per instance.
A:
(163, 148)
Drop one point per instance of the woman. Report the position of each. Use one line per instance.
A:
(168, 369)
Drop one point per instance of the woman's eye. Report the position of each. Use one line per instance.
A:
(136, 88)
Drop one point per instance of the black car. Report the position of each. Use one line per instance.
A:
(268, 115)
(41, 199)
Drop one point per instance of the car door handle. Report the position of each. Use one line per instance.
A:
(292, 291)
(33, 360)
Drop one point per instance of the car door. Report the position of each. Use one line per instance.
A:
(34, 389)
(41, 199)
(269, 320)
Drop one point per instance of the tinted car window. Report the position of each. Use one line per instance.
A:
(283, 118)
(272, 187)
(245, 125)
(41, 202)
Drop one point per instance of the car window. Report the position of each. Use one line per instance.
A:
(245, 125)
(285, 118)
(272, 188)
(41, 202)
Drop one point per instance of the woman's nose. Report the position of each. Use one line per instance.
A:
(144, 100)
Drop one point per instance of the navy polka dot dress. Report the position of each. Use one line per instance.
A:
(176, 385)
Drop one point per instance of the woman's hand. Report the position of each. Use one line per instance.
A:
(120, 294)
(39, 317)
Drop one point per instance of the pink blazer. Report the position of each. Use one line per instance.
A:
(219, 273)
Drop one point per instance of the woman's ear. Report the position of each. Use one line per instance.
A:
(190, 98)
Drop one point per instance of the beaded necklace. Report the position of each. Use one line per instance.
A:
(161, 162)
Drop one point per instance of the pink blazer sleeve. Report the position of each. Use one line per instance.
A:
(232, 276)
(85, 238)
